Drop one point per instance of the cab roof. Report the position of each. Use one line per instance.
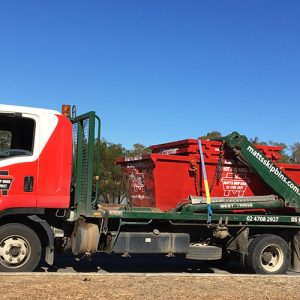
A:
(26, 109)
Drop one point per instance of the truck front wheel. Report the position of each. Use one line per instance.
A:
(268, 254)
(20, 248)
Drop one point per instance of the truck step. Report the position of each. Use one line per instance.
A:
(204, 252)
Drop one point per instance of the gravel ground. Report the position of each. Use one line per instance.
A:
(148, 286)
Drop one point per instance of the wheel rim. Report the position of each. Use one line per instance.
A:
(272, 258)
(14, 251)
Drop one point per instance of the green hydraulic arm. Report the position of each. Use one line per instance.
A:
(269, 172)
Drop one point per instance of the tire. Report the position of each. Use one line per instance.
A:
(20, 248)
(268, 254)
(201, 252)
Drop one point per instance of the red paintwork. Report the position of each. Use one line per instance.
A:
(55, 165)
(173, 172)
(51, 172)
(16, 196)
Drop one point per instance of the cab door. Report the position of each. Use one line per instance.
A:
(18, 160)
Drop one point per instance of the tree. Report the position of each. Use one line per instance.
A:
(256, 140)
(111, 184)
(285, 158)
(211, 135)
(138, 150)
(295, 156)
(111, 187)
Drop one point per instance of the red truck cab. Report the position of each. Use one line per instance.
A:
(35, 158)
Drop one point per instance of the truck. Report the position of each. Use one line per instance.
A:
(49, 199)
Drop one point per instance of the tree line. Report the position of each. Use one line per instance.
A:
(112, 187)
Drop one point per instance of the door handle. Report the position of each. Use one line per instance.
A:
(28, 184)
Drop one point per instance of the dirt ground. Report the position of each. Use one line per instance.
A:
(145, 286)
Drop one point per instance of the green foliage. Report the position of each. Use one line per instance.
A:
(111, 184)
(211, 135)
(256, 140)
(139, 149)
(285, 157)
(295, 156)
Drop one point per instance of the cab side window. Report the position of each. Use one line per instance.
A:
(5, 139)
(16, 136)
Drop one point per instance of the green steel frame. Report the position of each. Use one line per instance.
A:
(272, 175)
(86, 150)
(139, 215)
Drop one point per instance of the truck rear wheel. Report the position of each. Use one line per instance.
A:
(20, 248)
(268, 254)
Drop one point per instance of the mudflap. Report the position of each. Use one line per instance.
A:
(295, 253)
(239, 241)
(49, 250)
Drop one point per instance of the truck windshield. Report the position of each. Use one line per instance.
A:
(16, 136)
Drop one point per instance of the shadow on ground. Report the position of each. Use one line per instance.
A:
(138, 264)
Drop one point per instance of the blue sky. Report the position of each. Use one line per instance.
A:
(157, 70)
